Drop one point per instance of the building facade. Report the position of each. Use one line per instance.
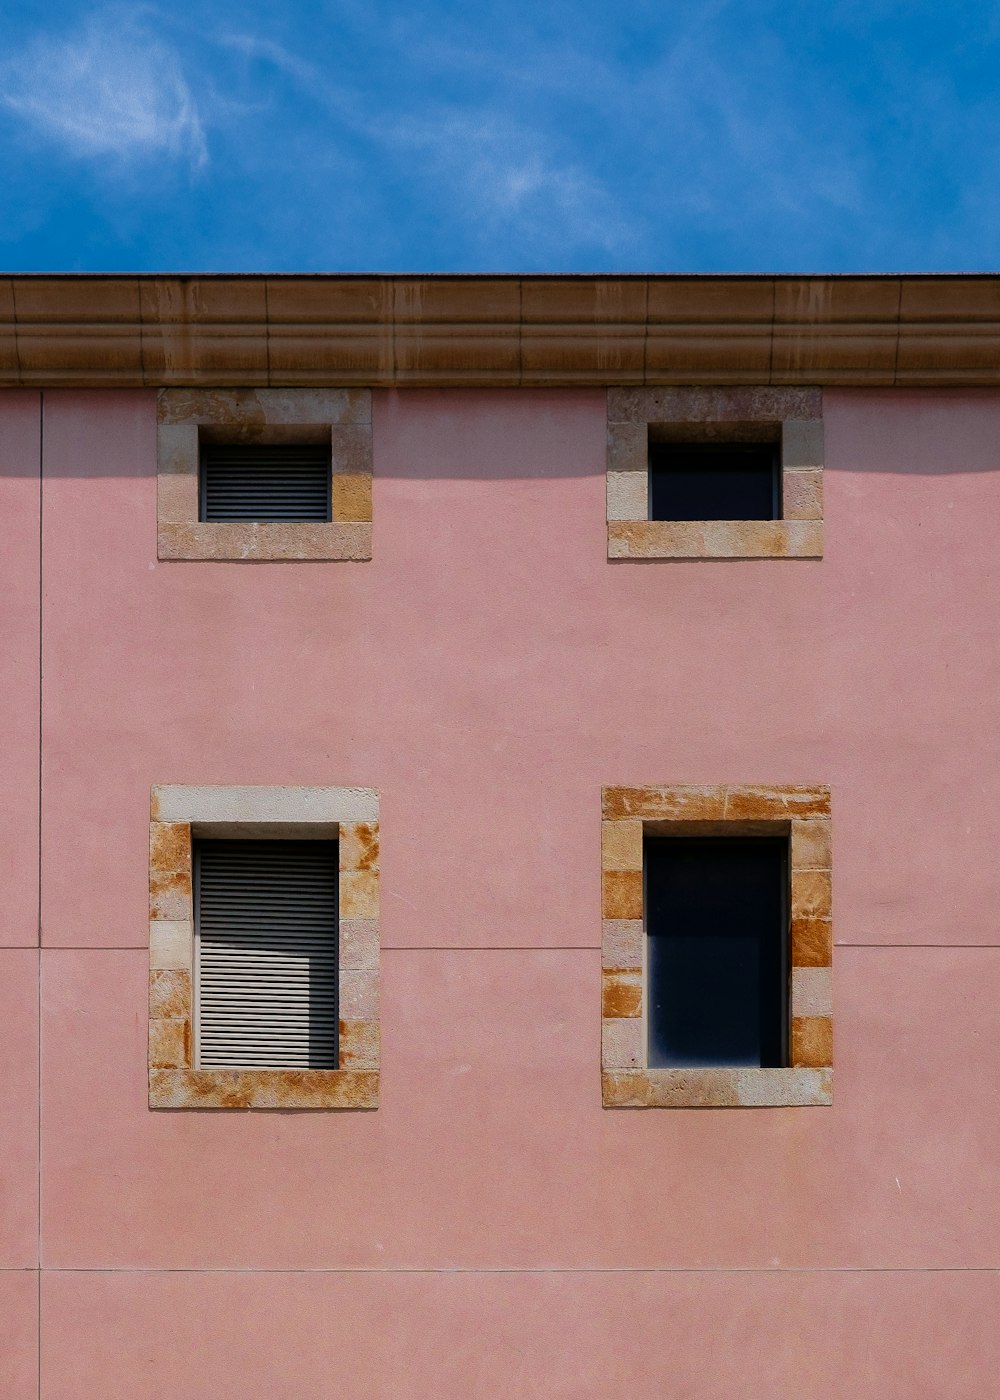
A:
(497, 676)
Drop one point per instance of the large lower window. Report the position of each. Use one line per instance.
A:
(716, 957)
(263, 947)
(266, 953)
(717, 947)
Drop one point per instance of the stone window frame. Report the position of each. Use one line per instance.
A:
(792, 416)
(184, 417)
(629, 814)
(177, 815)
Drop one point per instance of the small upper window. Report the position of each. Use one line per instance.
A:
(717, 959)
(284, 481)
(714, 481)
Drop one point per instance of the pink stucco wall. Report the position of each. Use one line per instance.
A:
(491, 1230)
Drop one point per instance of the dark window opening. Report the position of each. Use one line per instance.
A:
(266, 945)
(714, 481)
(259, 482)
(717, 959)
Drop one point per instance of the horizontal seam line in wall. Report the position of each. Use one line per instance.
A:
(514, 1269)
(445, 947)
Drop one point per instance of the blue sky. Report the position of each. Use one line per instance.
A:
(364, 135)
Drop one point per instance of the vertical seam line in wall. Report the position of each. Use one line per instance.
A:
(38, 1239)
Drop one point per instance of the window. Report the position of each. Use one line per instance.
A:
(263, 947)
(715, 473)
(714, 481)
(716, 951)
(287, 481)
(717, 947)
(264, 474)
(266, 954)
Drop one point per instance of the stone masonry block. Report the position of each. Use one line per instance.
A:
(812, 991)
(621, 943)
(359, 846)
(621, 1044)
(359, 943)
(802, 494)
(359, 894)
(812, 1041)
(622, 894)
(628, 496)
(264, 805)
(359, 998)
(171, 943)
(621, 845)
(802, 442)
(621, 994)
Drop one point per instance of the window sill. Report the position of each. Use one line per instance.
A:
(263, 1088)
(716, 1088)
(234, 540)
(715, 539)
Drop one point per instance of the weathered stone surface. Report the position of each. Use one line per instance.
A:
(811, 894)
(627, 495)
(621, 1044)
(359, 1045)
(359, 845)
(802, 442)
(766, 803)
(673, 803)
(715, 539)
(170, 943)
(264, 406)
(351, 449)
(359, 894)
(621, 993)
(284, 1088)
(265, 805)
(169, 846)
(621, 943)
(716, 1088)
(169, 1043)
(802, 494)
(169, 993)
(170, 894)
(177, 452)
(812, 942)
(812, 1041)
(351, 496)
(750, 403)
(359, 999)
(812, 991)
(621, 896)
(235, 541)
(811, 843)
(359, 943)
(621, 845)
(177, 498)
(628, 447)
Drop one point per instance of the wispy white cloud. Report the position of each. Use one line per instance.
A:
(506, 177)
(111, 89)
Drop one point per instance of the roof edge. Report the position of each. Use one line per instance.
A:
(578, 331)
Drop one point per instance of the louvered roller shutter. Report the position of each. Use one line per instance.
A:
(266, 954)
(254, 482)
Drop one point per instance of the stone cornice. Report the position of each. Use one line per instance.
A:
(567, 331)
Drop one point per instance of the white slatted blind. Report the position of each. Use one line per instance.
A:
(266, 950)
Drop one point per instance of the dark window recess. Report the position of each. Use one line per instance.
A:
(285, 482)
(266, 941)
(714, 481)
(717, 964)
